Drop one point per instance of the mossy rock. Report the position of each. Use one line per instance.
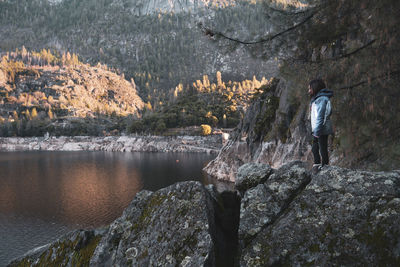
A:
(74, 249)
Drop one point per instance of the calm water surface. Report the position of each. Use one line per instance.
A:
(44, 195)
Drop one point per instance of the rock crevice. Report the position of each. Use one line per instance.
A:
(284, 216)
(338, 218)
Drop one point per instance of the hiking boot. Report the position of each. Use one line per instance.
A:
(316, 168)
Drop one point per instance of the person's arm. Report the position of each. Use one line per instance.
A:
(321, 108)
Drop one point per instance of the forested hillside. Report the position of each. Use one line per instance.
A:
(220, 104)
(45, 93)
(158, 49)
(160, 46)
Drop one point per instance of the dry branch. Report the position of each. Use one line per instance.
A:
(212, 33)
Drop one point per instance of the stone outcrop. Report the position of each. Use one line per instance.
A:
(208, 144)
(173, 226)
(185, 224)
(263, 204)
(290, 218)
(274, 131)
(336, 217)
(250, 175)
(68, 100)
(69, 91)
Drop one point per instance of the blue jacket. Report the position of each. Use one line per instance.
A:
(321, 111)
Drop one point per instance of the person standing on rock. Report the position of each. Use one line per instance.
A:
(321, 124)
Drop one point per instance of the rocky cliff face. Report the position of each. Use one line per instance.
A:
(351, 47)
(285, 216)
(185, 224)
(174, 226)
(274, 130)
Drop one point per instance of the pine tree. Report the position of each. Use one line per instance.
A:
(34, 113)
(219, 78)
(50, 114)
(27, 114)
(15, 115)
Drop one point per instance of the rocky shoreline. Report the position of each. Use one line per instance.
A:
(196, 144)
(277, 217)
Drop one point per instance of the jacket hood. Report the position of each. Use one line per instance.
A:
(323, 92)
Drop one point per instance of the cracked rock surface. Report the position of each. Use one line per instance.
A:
(338, 217)
(169, 227)
(250, 175)
(262, 204)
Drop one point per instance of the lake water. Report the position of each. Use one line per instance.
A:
(44, 195)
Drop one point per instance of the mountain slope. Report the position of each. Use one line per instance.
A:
(158, 49)
(71, 99)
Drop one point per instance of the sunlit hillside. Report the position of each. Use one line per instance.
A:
(42, 93)
(158, 49)
(45, 92)
(221, 104)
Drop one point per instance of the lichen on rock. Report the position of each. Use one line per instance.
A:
(173, 226)
(263, 204)
(73, 249)
(339, 217)
(251, 174)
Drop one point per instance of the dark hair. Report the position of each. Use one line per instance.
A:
(317, 85)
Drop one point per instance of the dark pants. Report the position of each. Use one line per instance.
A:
(320, 150)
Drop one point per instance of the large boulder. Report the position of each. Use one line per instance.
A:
(173, 226)
(250, 175)
(185, 224)
(262, 205)
(341, 217)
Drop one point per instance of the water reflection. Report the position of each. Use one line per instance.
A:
(44, 195)
(89, 189)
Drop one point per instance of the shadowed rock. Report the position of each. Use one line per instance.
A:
(185, 224)
(173, 226)
(262, 204)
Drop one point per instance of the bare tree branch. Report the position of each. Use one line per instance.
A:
(348, 87)
(357, 50)
(212, 33)
(352, 85)
(336, 58)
